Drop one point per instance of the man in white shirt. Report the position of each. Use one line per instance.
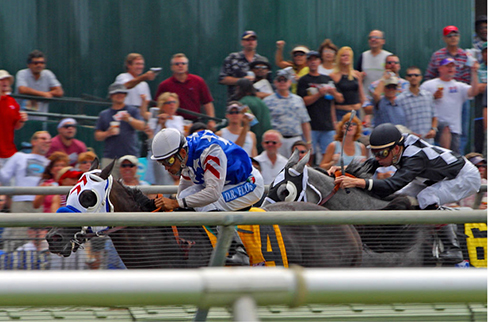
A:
(135, 82)
(449, 96)
(270, 160)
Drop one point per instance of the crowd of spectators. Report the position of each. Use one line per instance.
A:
(306, 105)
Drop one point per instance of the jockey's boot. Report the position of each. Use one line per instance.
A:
(452, 253)
(237, 253)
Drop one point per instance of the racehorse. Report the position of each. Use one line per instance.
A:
(384, 245)
(188, 247)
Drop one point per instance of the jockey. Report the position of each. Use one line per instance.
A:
(436, 176)
(215, 175)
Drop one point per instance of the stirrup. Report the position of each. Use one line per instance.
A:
(239, 258)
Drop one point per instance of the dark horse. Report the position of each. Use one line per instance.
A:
(384, 245)
(159, 247)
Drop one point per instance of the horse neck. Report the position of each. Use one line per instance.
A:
(121, 199)
(323, 183)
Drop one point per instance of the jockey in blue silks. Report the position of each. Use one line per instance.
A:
(215, 175)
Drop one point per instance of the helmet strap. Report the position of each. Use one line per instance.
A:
(396, 157)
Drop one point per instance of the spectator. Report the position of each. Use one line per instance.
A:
(352, 148)
(246, 94)
(288, 113)
(85, 160)
(480, 163)
(386, 109)
(270, 160)
(67, 176)
(433, 175)
(12, 119)
(302, 148)
(58, 160)
(37, 81)
(197, 127)
(65, 141)
(480, 36)
(236, 65)
(449, 96)
(348, 82)
(418, 105)
(392, 68)
(298, 64)
(262, 71)
(26, 169)
(371, 62)
(328, 52)
(312, 88)
(191, 89)
(37, 240)
(238, 130)
(168, 104)
(479, 132)
(117, 126)
(128, 165)
(462, 74)
(135, 82)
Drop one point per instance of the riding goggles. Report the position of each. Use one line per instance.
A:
(168, 161)
(381, 154)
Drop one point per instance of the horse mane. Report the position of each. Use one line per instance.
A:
(360, 169)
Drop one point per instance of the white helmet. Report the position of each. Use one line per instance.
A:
(166, 143)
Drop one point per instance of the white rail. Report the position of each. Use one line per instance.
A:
(209, 287)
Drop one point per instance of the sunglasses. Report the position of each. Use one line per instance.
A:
(270, 142)
(381, 154)
(298, 54)
(127, 165)
(250, 39)
(282, 80)
(168, 161)
(67, 126)
(169, 102)
(233, 112)
(452, 35)
(391, 87)
(413, 75)
(260, 67)
(180, 63)
(374, 37)
(38, 62)
(393, 62)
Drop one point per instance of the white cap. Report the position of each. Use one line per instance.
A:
(132, 159)
(66, 120)
(5, 74)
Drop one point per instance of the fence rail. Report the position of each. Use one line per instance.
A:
(209, 287)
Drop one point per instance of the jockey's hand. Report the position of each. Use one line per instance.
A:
(332, 170)
(166, 203)
(348, 182)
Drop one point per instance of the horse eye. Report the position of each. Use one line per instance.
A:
(88, 199)
(283, 192)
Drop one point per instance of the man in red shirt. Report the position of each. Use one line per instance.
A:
(65, 141)
(192, 90)
(12, 119)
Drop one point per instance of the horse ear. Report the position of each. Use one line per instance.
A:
(293, 159)
(303, 162)
(107, 170)
(95, 164)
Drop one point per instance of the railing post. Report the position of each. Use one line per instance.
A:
(245, 309)
(218, 257)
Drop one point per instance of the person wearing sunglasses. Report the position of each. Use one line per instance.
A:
(434, 175)
(215, 175)
(270, 160)
(236, 65)
(386, 110)
(128, 165)
(36, 80)
(191, 89)
(65, 141)
(262, 80)
(85, 161)
(298, 63)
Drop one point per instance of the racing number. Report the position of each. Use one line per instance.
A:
(476, 243)
(269, 245)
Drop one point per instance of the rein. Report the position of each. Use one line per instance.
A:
(336, 187)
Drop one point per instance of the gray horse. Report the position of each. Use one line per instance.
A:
(383, 245)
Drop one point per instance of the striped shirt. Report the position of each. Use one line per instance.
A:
(463, 72)
(419, 111)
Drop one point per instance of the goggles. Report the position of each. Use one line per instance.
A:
(381, 154)
(168, 161)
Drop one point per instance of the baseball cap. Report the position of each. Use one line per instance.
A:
(283, 73)
(313, 53)
(447, 30)
(68, 172)
(393, 80)
(301, 48)
(66, 120)
(234, 104)
(248, 33)
(132, 159)
(5, 74)
(117, 88)
(447, 61)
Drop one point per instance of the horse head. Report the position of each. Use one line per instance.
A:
(91, 194)
(292, 183)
